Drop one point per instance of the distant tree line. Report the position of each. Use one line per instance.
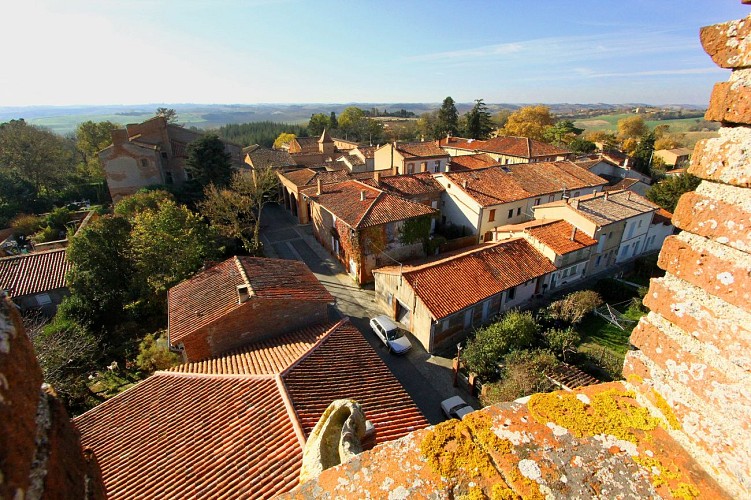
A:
(263, 133)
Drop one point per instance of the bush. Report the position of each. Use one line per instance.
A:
(515, 330)
(572, 308)
(25, 225)
(47, 233)
(154, 354)
(562, 341)
(58, 219)
(523, 374)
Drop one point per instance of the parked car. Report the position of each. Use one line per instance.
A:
(390, 334)
(455, 407)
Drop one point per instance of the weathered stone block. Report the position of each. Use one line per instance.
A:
(726, 158)
(721, 213)
(721, 327)
(720, 270)
(729, 104)
(727, 43)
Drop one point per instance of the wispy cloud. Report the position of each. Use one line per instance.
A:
(663, 72)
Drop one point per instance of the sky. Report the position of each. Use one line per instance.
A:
(78, 52)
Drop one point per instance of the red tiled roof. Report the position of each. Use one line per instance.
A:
(471, 162)
(307, 144)
(211, 294)
(445, 287)
(367, 151)
(33, 273)
(662, 216)
(188, 436)
(521, 147)
(622, 184)
(420, 149)
(408, 186)
(265, 357)
(299, 177)
(504, 184)
(344, 201)
(353, 370)
(226, 433)
(557, 236)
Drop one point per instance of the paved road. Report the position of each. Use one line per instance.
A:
(428, 379)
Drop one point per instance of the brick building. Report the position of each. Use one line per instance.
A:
(242, 300)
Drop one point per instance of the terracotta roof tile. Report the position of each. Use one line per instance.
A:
(521, 147)
(262, 157)
(557, 236)
(367, 151)
(211, 294)
(189, 436)
(621, 185)
(420, 149)
(443, 287)
(410, 185)
(608, 207)
(308, 144)
(33, 273)
(344, 201)
(471, 162)
(299, 177)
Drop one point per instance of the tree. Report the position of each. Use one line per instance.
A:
(562, 133)
(667, 192)
(428, 126)
(631, 127)
(169, 114)
(208, 162)
(318, 122)
(524, 373)
(132, 205)
(669, 141)
(608, 139)
(235, 212)
(333, 122)
(643, 153)
(529, 121)
(101, 274)
(581, 146)
(501, 118)
(562, 341)
(448, 118)
(358, 127)
(477, 122)
(168, 245)
(574, 306)
(154, 354)
(91, 138)
(283, 140)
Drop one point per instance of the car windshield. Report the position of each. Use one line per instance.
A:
(393, 334)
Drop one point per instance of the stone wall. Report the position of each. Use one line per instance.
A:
(693, 363)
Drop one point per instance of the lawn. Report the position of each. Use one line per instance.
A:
(598, 332)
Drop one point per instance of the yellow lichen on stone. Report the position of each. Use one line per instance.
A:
(659, 473)
(666, 410)
(533, 489)
(685, 491)
(634, 379)
(610, 412)
(502, 492)
(475, 493)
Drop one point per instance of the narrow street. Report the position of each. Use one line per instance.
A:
(427, 378)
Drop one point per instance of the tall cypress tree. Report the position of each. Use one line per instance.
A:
(448, 119)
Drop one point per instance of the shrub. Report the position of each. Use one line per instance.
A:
(562, 341)
(25, 225)
(572, 308)
(47, 233)
(58, 219)
(523, 374)
(154, 354)
(513, 331)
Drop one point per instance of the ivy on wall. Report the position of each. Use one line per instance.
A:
(416, 230)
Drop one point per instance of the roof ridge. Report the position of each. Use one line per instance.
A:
(370, 208)
(294, 418)
(32, 254)
(480, 248)
(243, 274)
(315, 346)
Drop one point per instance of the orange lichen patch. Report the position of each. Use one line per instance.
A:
(611, 412)
(666, 410)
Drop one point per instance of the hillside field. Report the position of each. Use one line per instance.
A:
(678, 125)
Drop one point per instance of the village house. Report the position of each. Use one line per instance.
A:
(411, 157)
(312, 151)
(235, 426)
(634, 185)
(36, 280)
(358, 159)
(446, 296)
(609, 169)
(563, 244)
(260, 157)
(506, 150)
(677, 157)
(365, 227)
(619, 220)
(228, 306)
(151, 153)
(482, 199)
(471, 162)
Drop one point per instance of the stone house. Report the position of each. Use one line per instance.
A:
(36, 280)
(411, 157)
(506, 150)
(358, 159)
(446, 296)
(677, 157)
(365, 227)
(260, 157)
(483, 199)
(151, 153)
(563, 244)
(312, 151)
(618, 220)
(229, 305)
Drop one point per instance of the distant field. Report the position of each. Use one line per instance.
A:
(678, 125)
(65, 124)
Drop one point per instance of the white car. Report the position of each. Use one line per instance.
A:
(390, 334)
(455, 407)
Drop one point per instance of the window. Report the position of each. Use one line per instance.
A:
(144, 162)
(491, 215)
(164, 155)
(537, 201)
(410, 168)
(597, 262)
(510, 213)
(424, 166)
(640, 221)
(437, 166)
(511, 294)
(519, 211)
(576, 193)
(168, 177)
(43, 299)
(551, 197)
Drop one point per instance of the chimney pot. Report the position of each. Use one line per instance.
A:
(243, 293)
(362, 195)
(573, 234)
(377, 176)
(319, 187)
(464, 184)
(606, 195)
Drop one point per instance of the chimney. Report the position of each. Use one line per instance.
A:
(362, 195)
(573, 234)
(319, 185)
(377, 177)
(464, 184)
(243, 293)
(575, 203)
(448, 167)
(606, 195)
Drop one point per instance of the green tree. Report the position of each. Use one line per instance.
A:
(477, 122)
(581, 146)
(524, 373)
(132, 205)
(501, 118)
(169, 114)
(562, 341)
(448, 118)
(318, 122)
(283, 140)
(529, 121)
(358, 127)
(235, 212)
(101, 274)
(643, 153)
(667, 192)
(154, 354)
(208, 162)
(428, 125)
(168, 246)
(574, 306)
(561, 133)
(91, 138)
(333, 121)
